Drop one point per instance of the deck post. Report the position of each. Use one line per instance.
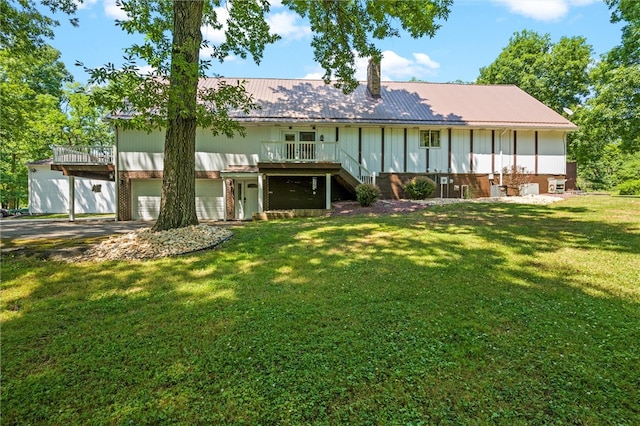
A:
(328, 191)
(72, 199)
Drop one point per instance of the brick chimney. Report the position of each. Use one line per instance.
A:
(373, 78)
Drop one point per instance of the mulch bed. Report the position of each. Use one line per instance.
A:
(348, 208)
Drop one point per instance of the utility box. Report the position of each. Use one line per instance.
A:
(498, 191)
(555, 186)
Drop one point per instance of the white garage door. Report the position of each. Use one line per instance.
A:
(209, 199)
(146, 199)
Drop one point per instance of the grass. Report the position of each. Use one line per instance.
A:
(460, 314)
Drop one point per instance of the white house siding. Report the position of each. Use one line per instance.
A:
(439, 157)
(145, 199)
(139, 151)
(394, 150)
(504, 149)
(348, 140)
(551, 153)
(460, 149)
(526, 150)
(49, 193)
(371, 148)
(482, 153)
(416, 156)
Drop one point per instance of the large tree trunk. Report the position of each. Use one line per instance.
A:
(178, 203)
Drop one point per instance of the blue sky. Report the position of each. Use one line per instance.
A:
(472, 37)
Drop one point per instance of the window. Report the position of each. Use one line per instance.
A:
(430, 139)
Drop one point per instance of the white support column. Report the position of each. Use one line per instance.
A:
(224, 198)
(260, 193)
(328, 191)
(72, 199)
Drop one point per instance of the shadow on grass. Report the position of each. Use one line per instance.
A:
(459, 314)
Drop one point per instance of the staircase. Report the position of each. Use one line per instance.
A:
(352, 173)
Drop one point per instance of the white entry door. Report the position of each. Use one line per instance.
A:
(246, 198)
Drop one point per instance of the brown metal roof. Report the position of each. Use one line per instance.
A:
(401, 103)
(409, 103)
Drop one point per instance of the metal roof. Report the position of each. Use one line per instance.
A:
(400, 103)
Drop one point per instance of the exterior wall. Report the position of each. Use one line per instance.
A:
(129, 191)
(465, 155)
(49, 193)
(391, 184)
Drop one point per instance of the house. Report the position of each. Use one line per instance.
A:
(309, 145)
(49, 191)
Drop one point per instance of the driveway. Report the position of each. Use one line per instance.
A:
(13, 228)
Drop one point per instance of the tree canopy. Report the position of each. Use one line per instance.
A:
(554, 73)
(170, 97)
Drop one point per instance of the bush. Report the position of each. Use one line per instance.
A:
(516, 177)
(419, 188)
(630, 187)
(367, 194)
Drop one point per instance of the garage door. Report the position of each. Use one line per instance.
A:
(146, 199)
(209, 199)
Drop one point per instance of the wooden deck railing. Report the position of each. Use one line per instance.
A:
(299, 152)
(75, 154)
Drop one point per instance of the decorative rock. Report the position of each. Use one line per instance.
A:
(146, 244)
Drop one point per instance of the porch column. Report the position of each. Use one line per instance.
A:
(224, 198)
(260, 193)
(328, 191)
(72, 199)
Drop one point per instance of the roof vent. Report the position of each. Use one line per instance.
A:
(373, 78)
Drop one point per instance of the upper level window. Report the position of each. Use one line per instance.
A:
(430, 139)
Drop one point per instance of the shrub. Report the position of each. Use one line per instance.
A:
(516, 177)
(367, 194)
(630, 187)
(419, 188)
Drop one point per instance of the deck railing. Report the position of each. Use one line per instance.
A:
(356, 169)
(78, 154)
(299, 152)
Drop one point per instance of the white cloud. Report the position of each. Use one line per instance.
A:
(393, 67)
(85, 4)
(547, 10)
(113, 10)
(285, 25)
(213, 35)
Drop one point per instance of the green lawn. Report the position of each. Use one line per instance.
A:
(460, 314)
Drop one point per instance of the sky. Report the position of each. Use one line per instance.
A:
(472, 37)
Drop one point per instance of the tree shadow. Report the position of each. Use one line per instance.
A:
(316, 102)
(449, 315)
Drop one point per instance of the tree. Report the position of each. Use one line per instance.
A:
(30, 89)
(170, 97)
(555, 74)
(609, 119)
(24, 27)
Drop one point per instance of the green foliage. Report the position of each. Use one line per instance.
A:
(555, 74)
(24, 26)
(420, 187)
(629, 187)
(367, 194)
(344, 30)
(473, 313)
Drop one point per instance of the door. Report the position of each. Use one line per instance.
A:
(246, 198)
(300, 145)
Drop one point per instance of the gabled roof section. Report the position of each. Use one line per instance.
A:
(400, 103)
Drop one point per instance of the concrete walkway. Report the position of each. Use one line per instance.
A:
(18, 228)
